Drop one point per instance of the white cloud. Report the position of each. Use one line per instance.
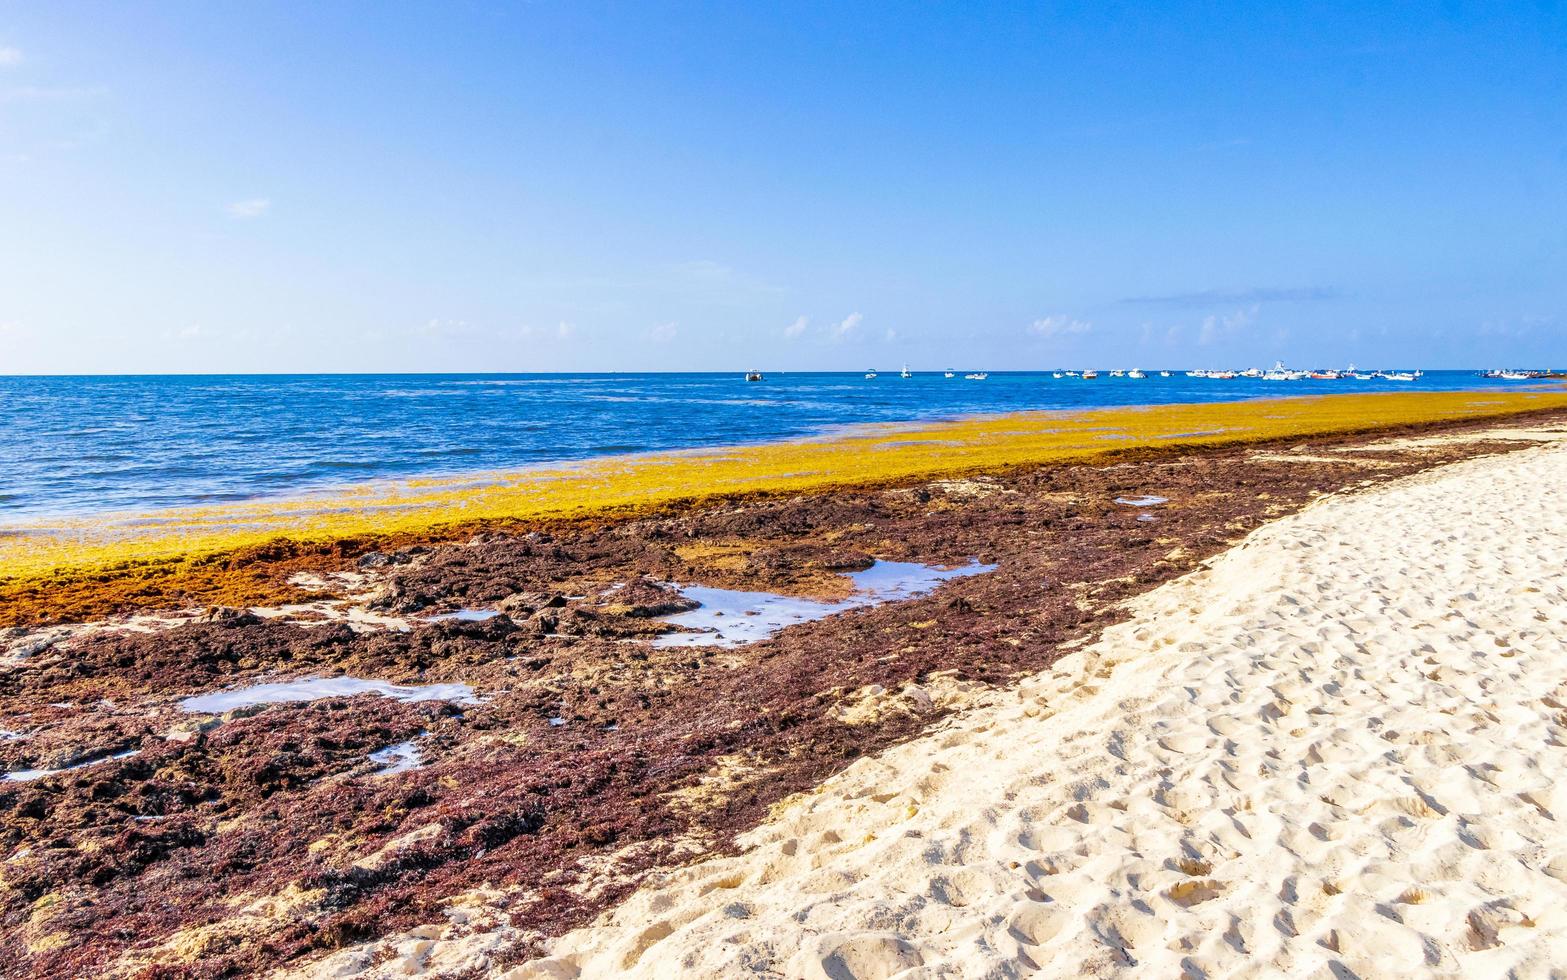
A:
(443, 329)
(48, 93)
(1217, 326)
(795, 329)
(663, 333)
(251, 207)
(844, 329)
(1515, 328)
(715, 282)
(10, 57)
(564, 330)
(891, 335)
(196, 333)
(1059, 325)
(705, 270)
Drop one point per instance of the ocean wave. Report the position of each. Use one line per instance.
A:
(91, 445)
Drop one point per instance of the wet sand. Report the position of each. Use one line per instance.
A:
(588, 758)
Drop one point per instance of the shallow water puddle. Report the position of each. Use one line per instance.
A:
(402, 757)
(315, 688)
(729, 617)
(467, 615)
(1145, 501)
(28, 775)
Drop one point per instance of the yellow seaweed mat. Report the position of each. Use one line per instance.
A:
(864, 455)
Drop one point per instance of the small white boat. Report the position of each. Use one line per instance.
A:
(1117, 374)
(753, 376)
(1090, 375)
(905, 372)
(1073, 374)
(871, 373)
(977, 376)
(1136, 373)
(1057, 374)
(1164, 374)
(949, 373)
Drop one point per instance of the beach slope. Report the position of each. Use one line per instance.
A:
(1339, 747)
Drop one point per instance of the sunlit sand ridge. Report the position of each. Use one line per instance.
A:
(1338, 750)
(873, 454)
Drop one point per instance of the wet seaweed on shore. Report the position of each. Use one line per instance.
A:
(237, 842)
(135, 546)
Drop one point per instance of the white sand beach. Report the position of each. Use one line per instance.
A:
(1338, 750)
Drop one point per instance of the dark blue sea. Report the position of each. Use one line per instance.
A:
(85, 444)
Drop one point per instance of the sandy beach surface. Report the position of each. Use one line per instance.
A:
(1336, 750)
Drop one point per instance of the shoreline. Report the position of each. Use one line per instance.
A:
(270, 838)
(185, 545)
(1336, 747)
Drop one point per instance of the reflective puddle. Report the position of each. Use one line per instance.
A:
(1142, 501)
(28, 775)
(467, 615)
(315, 688)
(402, 757)
(729, 617)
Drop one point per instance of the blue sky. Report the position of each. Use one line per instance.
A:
(583, 186)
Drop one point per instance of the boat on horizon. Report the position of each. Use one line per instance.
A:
(753, 376)
(949, 373)
(977, 376)
(871, 373)
(905, 372)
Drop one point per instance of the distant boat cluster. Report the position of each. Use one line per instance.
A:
(1513, 374)
(870, 374)
(1281, 373)
(1276, 373)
